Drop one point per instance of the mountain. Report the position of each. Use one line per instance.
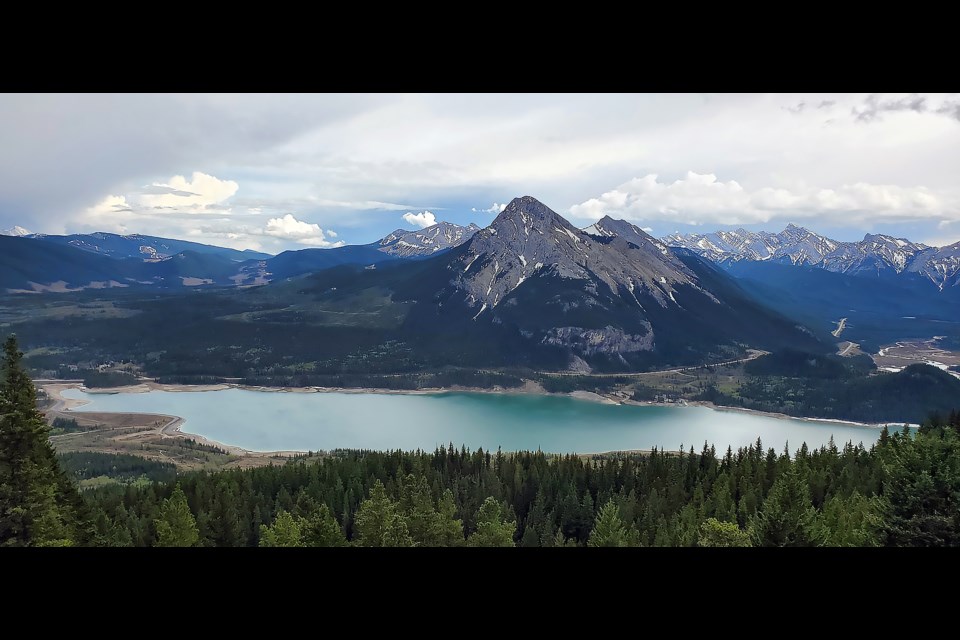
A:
(530, 291)
(28, 265)
(939, 265)
(425, 242)
(877, 255)
(144, 247)
(533, 289)
(793, 245)
(16, 231)
(294, 263)
(878, 310)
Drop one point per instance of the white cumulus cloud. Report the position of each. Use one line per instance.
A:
(494, 208)
(197, 193)
(704, 199)
(423, 219)
(289, 228)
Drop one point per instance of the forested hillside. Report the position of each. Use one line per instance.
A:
(901, 492)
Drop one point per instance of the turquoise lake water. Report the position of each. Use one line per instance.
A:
(273, 421)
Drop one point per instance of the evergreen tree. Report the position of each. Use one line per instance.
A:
(176, 526)
(560, 541)
(714, 533)
(379, 523)
(449, 528)
(608, 531)
(854, 521)
(322, 530)
(922, 489)
(492, 530)
(285, 532)
(37, 501)
(787, 518)
(396, 533)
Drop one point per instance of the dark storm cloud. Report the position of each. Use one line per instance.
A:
(61, 153)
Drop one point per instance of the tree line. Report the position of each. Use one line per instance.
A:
(900, 492)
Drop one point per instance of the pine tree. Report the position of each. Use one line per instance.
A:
(37, 501)
(560, 541)
(608, 530)
(379, 523)
(176, 526)
(396, 533)
(850, 522)
(787, 518)
(922, 490)
(714, 533)
(322, 530)
(492, 530)
(285, 532)
(448, 531)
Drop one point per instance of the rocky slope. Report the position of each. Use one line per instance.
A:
(425, 242)
(875, 255)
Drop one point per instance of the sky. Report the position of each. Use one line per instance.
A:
(276, 172)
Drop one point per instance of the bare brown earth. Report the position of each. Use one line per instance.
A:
(152, 436)
(902, 354)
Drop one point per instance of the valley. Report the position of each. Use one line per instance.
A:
(904, 353)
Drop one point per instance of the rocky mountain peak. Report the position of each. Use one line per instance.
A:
(875, 254)
(16, 231)
(438, 237)
(528, 212)
(530, 240)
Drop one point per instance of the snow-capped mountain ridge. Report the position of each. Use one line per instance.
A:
(876, 254)
(16, 231)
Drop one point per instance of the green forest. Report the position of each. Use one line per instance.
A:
(902, 491)
(807, 384)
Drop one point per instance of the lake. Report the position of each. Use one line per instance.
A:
(274, 421)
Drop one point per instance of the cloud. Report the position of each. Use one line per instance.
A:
(494, 209)
(357, 163)
(110, 204)
(423, 220)
(196, 194)
(289, 228)
(703, 198)
(873, 106)
(951, 109)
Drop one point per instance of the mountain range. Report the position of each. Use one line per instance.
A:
(60, 264)
(141, 247)
(877, 255)
(608, 296)
(529, 290)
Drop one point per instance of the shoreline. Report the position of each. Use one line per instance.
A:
(172, 425)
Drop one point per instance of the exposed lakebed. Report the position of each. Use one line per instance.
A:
(276, 421)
